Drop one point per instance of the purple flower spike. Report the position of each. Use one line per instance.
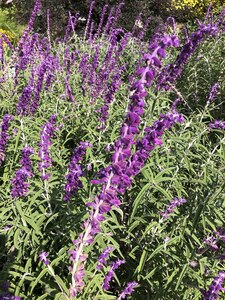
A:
(211, 241)
(215, 288)
(20, 185)
(4, 136)
(75, 171)
(213, 92)
(43, 257)
(47, 133)
(129, 289)
(101, 20)
(23, 105)
(172, 206)
(114, 266)
(78, 277)
(30, 25)
(173, 71)
(102, 260)
(39, 85)
(217, 124)
(215, 239)
(118, 176)
(89, 18)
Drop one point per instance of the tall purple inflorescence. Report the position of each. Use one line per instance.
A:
(25, 47)
(4, 136)
(215, 288)
(47, 133)
(19, 182)
(118, 176)
(109, 21)
(171, 72)
(151, 139)
(30, 25)
(70, 26)
(117, 14)
(104, 10)
(89, 18)
(75, 171)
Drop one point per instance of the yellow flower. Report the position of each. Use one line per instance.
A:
(8, 34)
(196, 8)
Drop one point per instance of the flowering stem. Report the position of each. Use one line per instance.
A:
(46, 188)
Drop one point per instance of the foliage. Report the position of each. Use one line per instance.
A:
(88, 120)
(195, 8)
(10, 28)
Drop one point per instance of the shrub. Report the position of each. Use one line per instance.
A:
(189, 9)
(111, 168)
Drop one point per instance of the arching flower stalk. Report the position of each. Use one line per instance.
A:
(115, 179)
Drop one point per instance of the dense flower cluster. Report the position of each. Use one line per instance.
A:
(19, 182)
(111, 273)
(151, 139)
(25, 98)
(215, 288)
(215, 239)
(102, 260)
(47, 133)
(4, 136)
(105, 78)
(129, 289)
(213, 92)
(172, 206)
(172, 71)
(217, 124)
(75, 171)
